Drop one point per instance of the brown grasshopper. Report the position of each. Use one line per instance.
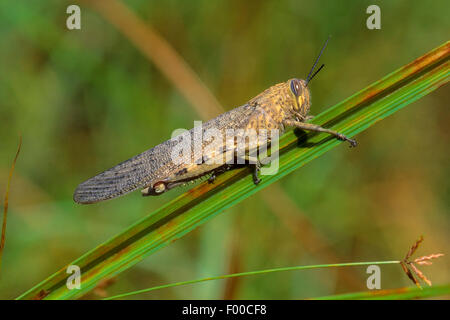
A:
(279, 107)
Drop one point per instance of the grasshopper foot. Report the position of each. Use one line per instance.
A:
(352, 142)
(212, 178)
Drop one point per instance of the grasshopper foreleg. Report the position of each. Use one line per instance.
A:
(316, 128)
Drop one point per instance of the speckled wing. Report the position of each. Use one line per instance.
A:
(150, 166)
(125, 177)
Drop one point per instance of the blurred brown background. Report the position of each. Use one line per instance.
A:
(87, 99)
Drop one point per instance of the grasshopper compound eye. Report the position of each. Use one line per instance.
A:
(296, 87)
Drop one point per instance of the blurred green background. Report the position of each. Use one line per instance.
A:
(85, 100)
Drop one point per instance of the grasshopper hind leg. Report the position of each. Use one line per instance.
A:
(157, 189)
(255, 167)
(217, 172)
(212, 178)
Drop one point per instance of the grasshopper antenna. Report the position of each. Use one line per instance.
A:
(309, 77)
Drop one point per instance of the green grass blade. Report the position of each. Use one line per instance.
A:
(394, 294)
(195, 207)
(253, 273)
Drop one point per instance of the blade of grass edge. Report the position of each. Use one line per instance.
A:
(199, 204)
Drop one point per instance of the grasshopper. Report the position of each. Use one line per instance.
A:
(284, 105)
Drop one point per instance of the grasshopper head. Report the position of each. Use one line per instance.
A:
(301, 96)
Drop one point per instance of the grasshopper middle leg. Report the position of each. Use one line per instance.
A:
(256, 167)
(254, 164)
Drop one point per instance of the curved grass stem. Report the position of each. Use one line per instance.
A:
(252, 273)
